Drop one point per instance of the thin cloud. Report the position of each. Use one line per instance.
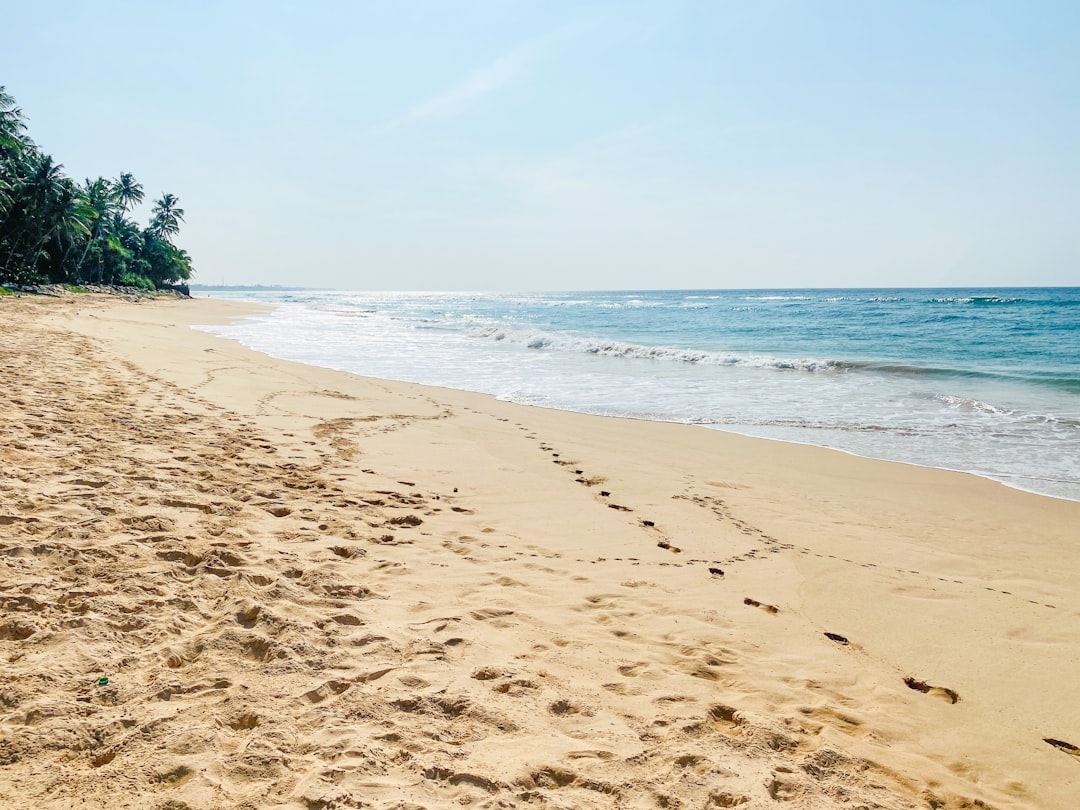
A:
(480, 83)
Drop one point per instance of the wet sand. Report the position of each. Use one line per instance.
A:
(308, 589)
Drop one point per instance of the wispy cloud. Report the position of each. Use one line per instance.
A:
(480, 83)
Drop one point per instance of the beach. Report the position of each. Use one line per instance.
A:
(236, 581)
(984, 381)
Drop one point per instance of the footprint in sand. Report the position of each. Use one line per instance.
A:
(762, 605)
(943, 692)
(563, 707)
(1061, 745)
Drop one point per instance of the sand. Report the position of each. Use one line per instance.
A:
(312, 590)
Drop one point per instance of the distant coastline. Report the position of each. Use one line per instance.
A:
(255, 288)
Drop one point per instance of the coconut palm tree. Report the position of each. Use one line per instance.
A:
(53, 227)
(12, 122)
(103, 200)
(31, 216)
(167, 216)
(65, 219)
(128, 192)
(73, 227)
(12, 127)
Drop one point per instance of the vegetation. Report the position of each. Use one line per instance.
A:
(54, 230)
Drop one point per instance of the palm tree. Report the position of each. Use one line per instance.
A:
(52, 227)
(7, 189)
(127, 232)
(12, 122)
(103, 200)
(12, 127)
(73, 225)
(66, 218)
(167, 216)
(128, 192)
(32, 217)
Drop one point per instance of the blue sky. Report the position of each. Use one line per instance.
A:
(595, 145)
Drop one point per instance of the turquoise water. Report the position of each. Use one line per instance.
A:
(983, 381)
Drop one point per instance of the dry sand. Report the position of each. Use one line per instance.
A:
(313, 590)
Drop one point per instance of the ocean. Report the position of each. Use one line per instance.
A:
(985, 381)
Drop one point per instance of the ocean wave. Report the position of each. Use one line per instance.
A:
(976, 406)
(634, 351)
(633, 303)
(815, 425)
(1053, 421)
(978, 300)
(964, 403)
(564, 342)
(1063, 381)
(342, 310)
(778, 298)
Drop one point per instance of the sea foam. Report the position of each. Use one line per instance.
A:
(985, 381)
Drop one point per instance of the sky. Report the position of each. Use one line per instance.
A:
(548, 145)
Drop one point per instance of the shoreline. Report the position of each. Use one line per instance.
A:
(351, 588)
(725, 429)
(915, 464)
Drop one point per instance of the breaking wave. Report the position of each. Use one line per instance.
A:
(564, 342)
(634, 351)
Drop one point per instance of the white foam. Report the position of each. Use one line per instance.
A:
(634, 351)
(971, 404)
(1002, 428)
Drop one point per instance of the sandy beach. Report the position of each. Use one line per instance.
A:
(230, 581)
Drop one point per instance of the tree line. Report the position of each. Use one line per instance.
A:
(56, 230)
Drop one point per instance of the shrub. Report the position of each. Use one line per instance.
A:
(135, 280)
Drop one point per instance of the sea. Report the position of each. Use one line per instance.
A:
(984, 381)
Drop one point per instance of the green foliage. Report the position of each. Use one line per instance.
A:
(5, 291)
(135, 280)
(54, 230)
